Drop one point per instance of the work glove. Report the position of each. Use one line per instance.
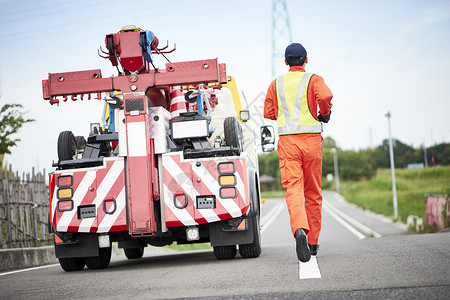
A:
(324, 119)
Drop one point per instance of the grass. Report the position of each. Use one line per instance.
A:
(189, 247)
(412, 185)
(273, 194)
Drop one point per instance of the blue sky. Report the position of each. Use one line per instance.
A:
(376, 56)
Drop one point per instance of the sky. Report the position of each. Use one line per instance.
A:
(375, 56)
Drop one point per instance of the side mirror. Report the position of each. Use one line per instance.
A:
(267, 138)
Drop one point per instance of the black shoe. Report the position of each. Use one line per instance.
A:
(303, 253)
(313, 249)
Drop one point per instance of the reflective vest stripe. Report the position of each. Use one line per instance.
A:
(293, 112)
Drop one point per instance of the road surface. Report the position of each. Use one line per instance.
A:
(349, 265)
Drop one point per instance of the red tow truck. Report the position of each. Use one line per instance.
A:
(177, 162)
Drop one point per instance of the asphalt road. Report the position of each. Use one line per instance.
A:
(349, 265)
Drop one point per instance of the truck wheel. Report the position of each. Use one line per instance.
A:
(67, 146)
(81, 142)
(254, 249)
(225, 252)
(233, 133)
(132, 253)
(71, 263)
(101, 261)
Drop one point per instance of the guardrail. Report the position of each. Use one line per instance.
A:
(23, 210)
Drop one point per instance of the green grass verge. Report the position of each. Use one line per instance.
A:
(273, 194)
(189, 247)
(412, 185)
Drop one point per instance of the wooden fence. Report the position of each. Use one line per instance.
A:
(23, 210)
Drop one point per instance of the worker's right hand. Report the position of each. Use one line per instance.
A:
(324, 119)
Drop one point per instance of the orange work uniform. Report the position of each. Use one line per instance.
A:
(301, 158)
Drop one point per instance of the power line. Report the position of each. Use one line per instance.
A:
(33, 9)
(83, 23)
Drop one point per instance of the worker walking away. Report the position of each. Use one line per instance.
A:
(293, 100)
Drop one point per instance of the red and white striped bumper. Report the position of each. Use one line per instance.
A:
(97, 202)
(187, 180)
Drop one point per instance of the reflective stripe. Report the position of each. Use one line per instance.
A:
(282, 99)
(299, 96)
(300, 129)
(302, 120)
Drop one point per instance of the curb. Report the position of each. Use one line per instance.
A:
(20, 258)
(23, 258)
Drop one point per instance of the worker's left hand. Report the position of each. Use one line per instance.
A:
(324, 119)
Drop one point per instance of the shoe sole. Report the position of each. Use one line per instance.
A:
(302, 249)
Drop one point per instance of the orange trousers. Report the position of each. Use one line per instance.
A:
(301, 175)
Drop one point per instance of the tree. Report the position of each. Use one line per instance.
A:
(269, 165)
(328, 143)
(11, 120)
(356, 165)
(403, 155)
(439, 154)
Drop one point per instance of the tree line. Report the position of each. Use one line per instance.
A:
(363, 164)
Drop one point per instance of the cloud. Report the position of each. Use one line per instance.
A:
(428, 16)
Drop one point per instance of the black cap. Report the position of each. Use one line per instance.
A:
(295, 50)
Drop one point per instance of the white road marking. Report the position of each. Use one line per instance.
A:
(29, 269)
(309, 270)
(358, 234)
(271, 216)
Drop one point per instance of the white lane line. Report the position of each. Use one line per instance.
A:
(29, 269)
(271, 216)
(358, 234)
(309, 270)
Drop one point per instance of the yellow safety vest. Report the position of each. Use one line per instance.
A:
(294, 115)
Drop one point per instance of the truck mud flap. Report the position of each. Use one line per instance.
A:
(221, 235)
(83, 245)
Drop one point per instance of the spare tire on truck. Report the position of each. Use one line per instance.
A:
(233, 133)
(67, 146)
(81, 143)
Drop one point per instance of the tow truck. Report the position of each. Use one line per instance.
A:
(174, 162)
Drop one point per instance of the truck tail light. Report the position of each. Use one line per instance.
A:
(227, 180)
(226, 167)
(228, 192)
(65, 193)
(64, 205)
(64, 180)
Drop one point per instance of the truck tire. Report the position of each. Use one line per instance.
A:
(67, 146)
(225, 252)
(254, 249)
(101, 261)
(69, 264)
(81, 142)
(233, 133)
(133, 253)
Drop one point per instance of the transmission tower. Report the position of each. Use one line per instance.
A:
(281, 35)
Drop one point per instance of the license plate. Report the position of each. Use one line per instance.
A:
(87, 211)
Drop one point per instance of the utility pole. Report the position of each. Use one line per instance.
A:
(425, 158)
(281, 34)
(336, 170)
(391, 155)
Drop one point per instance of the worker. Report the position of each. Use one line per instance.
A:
(292, 100)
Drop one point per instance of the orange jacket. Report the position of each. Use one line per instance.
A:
(318, 94)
